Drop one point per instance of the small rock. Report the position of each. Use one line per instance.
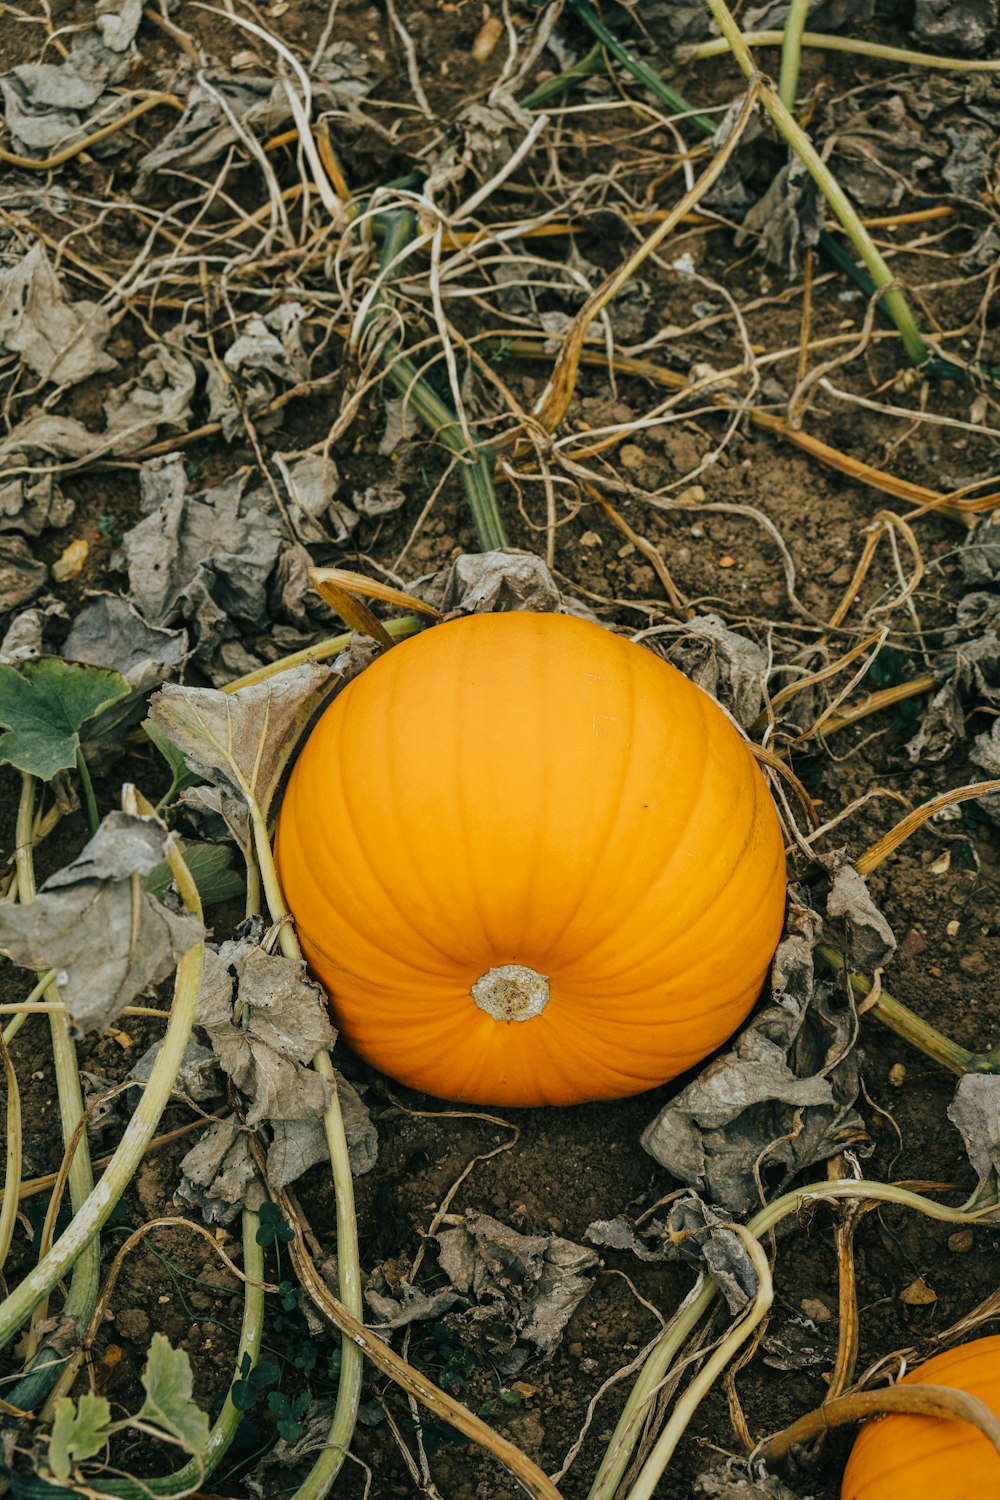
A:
(590, 539)
(486, 39)
(913, 943)
(942, 864)
(818, 1311)
(961, 1241)
(727, 561)
(632, 456)
(953, 927)
(132, 1323)
(918, 1294)
(627, 550)
(897, 1075)
(71, 562)
(693, 495)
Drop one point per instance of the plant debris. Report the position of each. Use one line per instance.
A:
(141, 941)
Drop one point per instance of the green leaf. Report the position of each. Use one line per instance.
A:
(181, 774)
(212, 870)
(79, 1431)
(168, 1383)
(42, 708)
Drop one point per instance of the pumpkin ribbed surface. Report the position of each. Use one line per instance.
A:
(908, 1457)
(532, 863)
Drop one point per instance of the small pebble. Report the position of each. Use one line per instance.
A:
(813, 1308)
(627, 550)
(918, 1294)
(590, 539)
(486, 39)
(897, 1075)
(693, 495)
(632, 456)
(961, 1241)
(727, 561)
(71, 562)
(913, 943)
(953, 927)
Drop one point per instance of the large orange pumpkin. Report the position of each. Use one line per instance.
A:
(532, 863)
(908, 1457)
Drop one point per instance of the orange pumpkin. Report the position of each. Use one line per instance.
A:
(908, 1457)
(532, 863)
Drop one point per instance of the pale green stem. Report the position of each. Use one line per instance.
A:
(10, 1032)
(12, 1174)
(663, 1451)
(93, 1214)
(405, 625)
(791, 52)
(194, 1473)
(630, 1423)
(829, 43)
(89, 800)
(894, 302)
(82, 1295)
(320, 1478)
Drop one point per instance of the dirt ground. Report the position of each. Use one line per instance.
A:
(752, 530)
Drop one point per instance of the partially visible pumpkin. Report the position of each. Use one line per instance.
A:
(532, 863)
(909, 1457)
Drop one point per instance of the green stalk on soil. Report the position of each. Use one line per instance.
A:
(194, 1473)
(320, 1478)
(908, 1025)
(85, 1283)
(679, 1330)
(475, 461)
(638, 69)
(90, 1216)
(791, 52)
(893, 302)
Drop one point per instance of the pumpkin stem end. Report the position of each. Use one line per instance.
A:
(511, 992)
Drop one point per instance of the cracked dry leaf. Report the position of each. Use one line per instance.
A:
(783, 1095)
(31, 502)
(266, 1021)
(524, 1288)
(106, 937)
(60, 341)
(297, 1145)
(729, 667)
(694, 1232)
(243, 740)
(726, 1482)
(975, 1113)
(22, 576)
(870, 940)
(218, 1174)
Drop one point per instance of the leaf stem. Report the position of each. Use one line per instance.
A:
(893, 300)
(908, 1025)
(475, 461)
(593, 62)
(90, 801)
(85, 1284)
(320, 1478)
(791, 52)
(194, 1473)
(663, 1450)
(633, 1417)
(89, 1218)
(638, 69)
